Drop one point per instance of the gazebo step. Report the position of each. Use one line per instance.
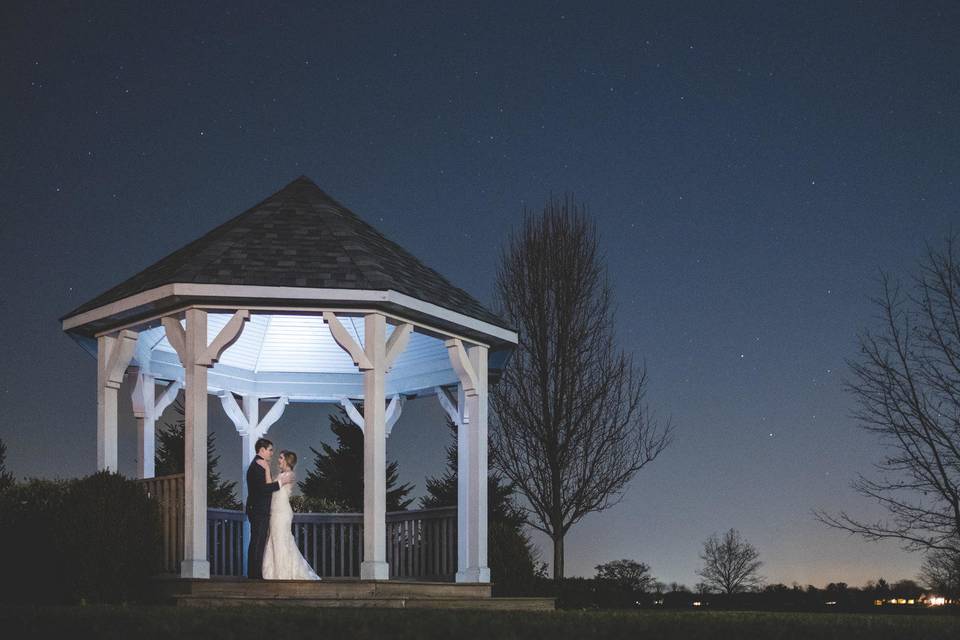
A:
(502, 604)
(344, 589)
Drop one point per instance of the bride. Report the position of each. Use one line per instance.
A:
(282, 559)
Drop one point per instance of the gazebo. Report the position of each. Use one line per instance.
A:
(297, 300)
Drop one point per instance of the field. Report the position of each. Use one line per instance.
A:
(144, 623)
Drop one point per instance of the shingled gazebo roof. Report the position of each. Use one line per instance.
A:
(299, 237)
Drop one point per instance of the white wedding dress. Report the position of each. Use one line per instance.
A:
(282, 559)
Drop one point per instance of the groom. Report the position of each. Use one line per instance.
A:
(259, 495)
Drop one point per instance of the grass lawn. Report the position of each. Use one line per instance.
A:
(141, 623)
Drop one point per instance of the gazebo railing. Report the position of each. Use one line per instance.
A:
(225, 542)
(421, 543)
(167, 491)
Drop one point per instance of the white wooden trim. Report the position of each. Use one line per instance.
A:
(289, 293)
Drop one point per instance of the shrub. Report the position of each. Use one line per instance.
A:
(513, 567)
(30, 535)
(112, 538)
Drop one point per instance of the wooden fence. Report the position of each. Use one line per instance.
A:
(421, 544)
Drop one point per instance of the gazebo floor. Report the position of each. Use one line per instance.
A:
(340, 592)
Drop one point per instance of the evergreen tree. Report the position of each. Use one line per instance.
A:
(514, 560)
(337, 474)
(6, 478)
(221, 494)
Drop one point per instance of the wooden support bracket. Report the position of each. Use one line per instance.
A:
(461, 365)
(449, 403)
(352, 412)
(394, 409)
(176, 336)
(227, 336)
(397, 342)
(346, 341)
(120, 355)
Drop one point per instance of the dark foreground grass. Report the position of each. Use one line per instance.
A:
(143, 623)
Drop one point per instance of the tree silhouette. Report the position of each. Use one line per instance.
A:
(513, 558)
(337, 474)
(569, 425)
(221, 494)
(6, 478)
(907, 385)
(730, 563)
(628, 575)
(940, 571)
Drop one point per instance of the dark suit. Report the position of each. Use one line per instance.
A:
(259, 495)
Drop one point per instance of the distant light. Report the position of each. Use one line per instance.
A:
(697, 603)
(936, 601)
(831, 603)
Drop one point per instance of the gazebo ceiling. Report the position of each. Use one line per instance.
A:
(296, 356)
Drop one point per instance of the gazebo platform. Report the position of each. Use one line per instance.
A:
(340, 592)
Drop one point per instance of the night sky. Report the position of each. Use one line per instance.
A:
(751, 167)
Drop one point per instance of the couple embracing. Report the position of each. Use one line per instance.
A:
(273, 553)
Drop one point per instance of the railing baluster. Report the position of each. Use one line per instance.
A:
(348, 548)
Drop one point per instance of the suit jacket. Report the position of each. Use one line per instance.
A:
(259, 493)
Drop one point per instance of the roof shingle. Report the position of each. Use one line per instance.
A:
(299, 237)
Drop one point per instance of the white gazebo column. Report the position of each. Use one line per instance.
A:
(374, 360)
(477, 408)
(471, 367)
(196, 357)
(248, 438)
(146, 409)
(143, 399)
(374, 565)
(113, 356)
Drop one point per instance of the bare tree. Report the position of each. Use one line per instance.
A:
(940, 571)
(907, 384)
(730, 564)
(570, 428)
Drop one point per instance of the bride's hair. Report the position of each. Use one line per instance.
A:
(290, 458)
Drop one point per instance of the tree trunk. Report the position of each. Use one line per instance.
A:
(558, 557)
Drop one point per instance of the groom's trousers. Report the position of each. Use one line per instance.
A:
(259, 528)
